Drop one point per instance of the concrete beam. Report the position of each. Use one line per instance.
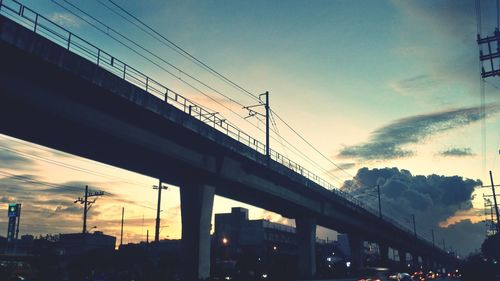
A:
(196, 211)
(306, 241)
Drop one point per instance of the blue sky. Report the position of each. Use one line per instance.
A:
(354, 77)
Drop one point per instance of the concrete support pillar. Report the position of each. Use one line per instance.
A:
(414, 260)
(196, 211)
(306, 242)
(356, 245)
(402, 258)
(426, 263)
(384, 253)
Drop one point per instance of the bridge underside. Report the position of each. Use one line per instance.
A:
(52, 97)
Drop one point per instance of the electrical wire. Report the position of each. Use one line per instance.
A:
(161, 67)
(311, 146)
(65, 165)
(70, 188)
(275, 126)
(93, 25)
(45, 149)
(175, 47)
(135, 51)
(481, 87)
(276, 130)
(108, 28)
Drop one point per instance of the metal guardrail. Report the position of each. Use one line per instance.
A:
(41, 25)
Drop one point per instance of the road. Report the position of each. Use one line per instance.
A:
(355, 279)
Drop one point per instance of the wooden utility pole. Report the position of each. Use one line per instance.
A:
(87, 204)
(121, 229)
(158, 210)
(495, 202)
(268, 150)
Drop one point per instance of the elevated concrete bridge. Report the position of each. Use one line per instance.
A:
(81, 104)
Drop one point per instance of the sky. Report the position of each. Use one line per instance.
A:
(388, 92)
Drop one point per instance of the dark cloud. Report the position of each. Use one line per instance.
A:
(388, 142)
(47, 207)
(6, 199)
(11, 160)
(416, 84)
(457, 152)
(464, 236)
(343, 166)
(432, 199)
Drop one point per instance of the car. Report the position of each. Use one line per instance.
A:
(404, 277)
(401, 277)
(373, 275)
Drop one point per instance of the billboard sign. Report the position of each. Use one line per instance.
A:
(14, 210)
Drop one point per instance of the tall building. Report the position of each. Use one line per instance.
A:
(263, 247)
(236, 234)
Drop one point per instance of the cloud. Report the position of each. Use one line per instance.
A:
(414, 84)
(464, 236)
(343, 166)
(388, 142)
(457, 152)
(46, 207)
(451, 25)
(273, 217)
(11, 160)
(433, 199)
(6, 199)
(65, 19)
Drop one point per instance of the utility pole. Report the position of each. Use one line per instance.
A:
(379, 203)
(414, 225)
(87, 204)
(121, 230)
(488, 204)
(433, 242)
(85, 209)
(444, 245)
(18, 221)
(495, 202)
(157, 228)
(252, 113)
(268, 151)
(491, 54)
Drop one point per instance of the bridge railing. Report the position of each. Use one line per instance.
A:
(56, 33)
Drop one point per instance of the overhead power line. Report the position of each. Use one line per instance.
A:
(66, 165)
(155, 63)
(312, 146)
(71, 188)
(108, 28)
(151, 31)
(167, 42)
(124, 44)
